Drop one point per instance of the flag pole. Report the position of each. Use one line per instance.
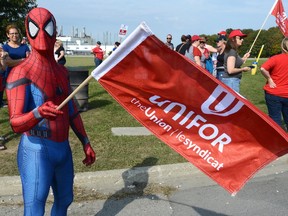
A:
(85, 82)
(263, 25)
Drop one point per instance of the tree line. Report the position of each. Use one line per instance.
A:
(15, 11)
(271, 39)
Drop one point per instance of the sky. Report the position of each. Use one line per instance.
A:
(197, 17)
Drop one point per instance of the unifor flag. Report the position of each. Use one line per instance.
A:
(210, 125)
(281, 18)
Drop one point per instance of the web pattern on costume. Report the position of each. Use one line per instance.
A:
(39, 79)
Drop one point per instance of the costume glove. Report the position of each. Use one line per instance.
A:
(48, 110)
(90, 155)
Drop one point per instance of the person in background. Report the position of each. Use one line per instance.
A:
(3, 55)
(192, 52)
(206, 61)
(24, 40)
(221, 44)
(59, 52)
(98, 54)
(222, 33)
(169, 42)
(209, 47)
(275, 70)
(181, 48)
(188, 38)
(233, 62)
(15, 51)
(116, 45)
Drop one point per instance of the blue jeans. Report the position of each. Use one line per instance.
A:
(232, 82)
(97, 62)
(277, 107)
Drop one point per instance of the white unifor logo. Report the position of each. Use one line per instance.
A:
(221, 103)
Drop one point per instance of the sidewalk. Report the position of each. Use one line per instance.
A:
(146, 186)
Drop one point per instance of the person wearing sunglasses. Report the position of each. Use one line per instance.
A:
(168, 42)
(16, 51)
(233, 62)
(221, 44)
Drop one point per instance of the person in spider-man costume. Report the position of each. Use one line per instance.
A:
(34, 88)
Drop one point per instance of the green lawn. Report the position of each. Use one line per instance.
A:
(114, 152)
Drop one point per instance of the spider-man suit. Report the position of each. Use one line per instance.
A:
(33, 88)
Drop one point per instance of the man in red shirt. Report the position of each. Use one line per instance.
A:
(98, 54)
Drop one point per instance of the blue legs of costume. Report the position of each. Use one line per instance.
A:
(43, 163)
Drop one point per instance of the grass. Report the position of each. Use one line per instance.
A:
(104, 112)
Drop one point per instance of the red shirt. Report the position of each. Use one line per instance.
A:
(197, 52)
(278, 68)
(98, 52)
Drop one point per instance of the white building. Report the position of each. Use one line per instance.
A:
(81, 45)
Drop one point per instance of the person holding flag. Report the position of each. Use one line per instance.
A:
(34, 88)
(275, 70)
(233, 62)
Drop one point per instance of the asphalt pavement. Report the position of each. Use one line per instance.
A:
(165, 190)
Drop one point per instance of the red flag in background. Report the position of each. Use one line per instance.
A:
(217, 130)
(281, 19)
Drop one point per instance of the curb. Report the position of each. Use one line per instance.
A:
(178, 176)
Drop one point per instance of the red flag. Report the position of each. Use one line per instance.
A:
(210, 125)
(281, 19)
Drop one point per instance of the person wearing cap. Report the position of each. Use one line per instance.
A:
(192, 52)
(275, 70)
(221, 44)
(222, 33)
(233, 62)
(98, 54)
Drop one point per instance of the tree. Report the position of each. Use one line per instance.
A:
(14, 11)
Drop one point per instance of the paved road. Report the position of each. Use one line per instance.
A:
(169, 190)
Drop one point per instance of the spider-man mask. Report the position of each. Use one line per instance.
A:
(41, 29)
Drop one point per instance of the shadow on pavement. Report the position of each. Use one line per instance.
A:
(206, 212)
(135, 182)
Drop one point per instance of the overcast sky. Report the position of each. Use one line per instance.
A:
(163, 17)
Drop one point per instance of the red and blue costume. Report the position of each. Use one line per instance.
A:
(33, 89)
